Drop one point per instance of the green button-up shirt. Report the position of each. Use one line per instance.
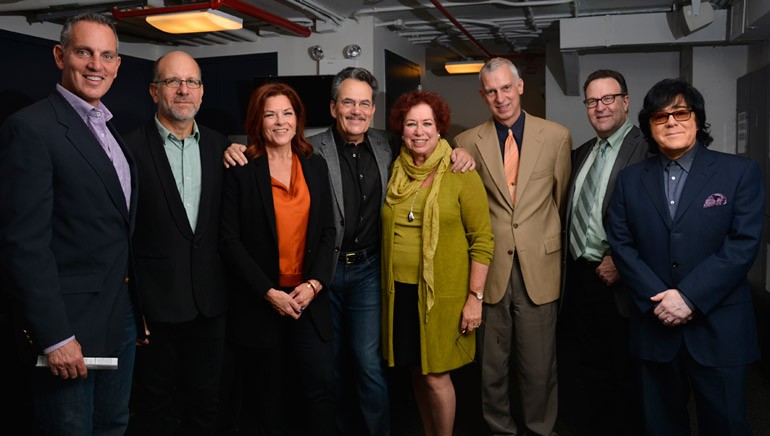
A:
(184, 157)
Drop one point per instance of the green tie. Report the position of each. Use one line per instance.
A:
(581, 213)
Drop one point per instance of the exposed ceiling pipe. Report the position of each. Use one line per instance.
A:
(461, 27)
(237, 5)
(371, 11)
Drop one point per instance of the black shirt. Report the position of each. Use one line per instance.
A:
(518, 133)
(362, 194)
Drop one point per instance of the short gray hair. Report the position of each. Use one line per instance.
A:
(93, 17)
(496, 63)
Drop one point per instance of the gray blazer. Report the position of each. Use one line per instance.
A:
(323, 144)
(634, 149)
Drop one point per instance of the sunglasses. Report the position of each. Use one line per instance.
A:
(679, 115)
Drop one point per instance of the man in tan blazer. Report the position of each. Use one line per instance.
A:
(522, 288)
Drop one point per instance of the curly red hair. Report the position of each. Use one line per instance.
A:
(408, 100)
(255, 116)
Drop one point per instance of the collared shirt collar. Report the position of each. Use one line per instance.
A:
(166, 134)
(517, 128)
(616, 139)
(82, 107)
(685, 161)
(338, 140)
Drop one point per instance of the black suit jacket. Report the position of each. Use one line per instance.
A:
(65, 230)
(250, 249)
(633, 149)
(179, 271)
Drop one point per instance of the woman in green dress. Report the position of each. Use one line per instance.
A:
(436, 249)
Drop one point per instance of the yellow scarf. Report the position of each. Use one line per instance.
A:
(404, 182)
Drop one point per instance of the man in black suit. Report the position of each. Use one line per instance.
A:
(594, 367)
(176, 254)
(68, 195)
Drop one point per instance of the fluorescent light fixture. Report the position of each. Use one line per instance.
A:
(464, 67)
(210, 20)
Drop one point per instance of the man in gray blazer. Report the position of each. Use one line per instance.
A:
(594, 366)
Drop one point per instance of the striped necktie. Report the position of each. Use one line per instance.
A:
(581, 213)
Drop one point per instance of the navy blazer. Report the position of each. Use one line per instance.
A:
(65, 230)
(179, 271)
(705, 251)
(249, 247)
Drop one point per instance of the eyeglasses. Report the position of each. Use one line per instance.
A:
(679, 115)
(606, 99)
(363, 104)
(176, 83)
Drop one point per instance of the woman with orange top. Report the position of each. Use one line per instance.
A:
(277, 237)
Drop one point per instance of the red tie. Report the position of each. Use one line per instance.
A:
(511, 163)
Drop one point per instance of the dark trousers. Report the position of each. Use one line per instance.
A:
(177, 379)
(597, 389)
(287, 389)
(719, 394)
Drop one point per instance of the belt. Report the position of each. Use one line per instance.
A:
(354, 257)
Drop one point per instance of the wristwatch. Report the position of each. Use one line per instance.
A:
(479, 295)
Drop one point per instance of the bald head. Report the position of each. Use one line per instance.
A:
(177, 105)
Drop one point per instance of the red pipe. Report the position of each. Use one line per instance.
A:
(267, 17)
(237, 5)
(460, 26)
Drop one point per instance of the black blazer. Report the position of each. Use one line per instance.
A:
(180, 272)
(249, 247)
(65, 230)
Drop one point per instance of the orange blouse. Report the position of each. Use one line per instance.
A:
(292, 209)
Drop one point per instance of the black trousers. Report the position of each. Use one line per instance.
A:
(177, 377)
(597, 377)
(287, 389)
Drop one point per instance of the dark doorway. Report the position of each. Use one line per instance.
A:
(401, 75)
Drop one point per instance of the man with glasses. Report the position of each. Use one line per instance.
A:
(68, 195)
(181, 276)
(685, 228)
(594, 364)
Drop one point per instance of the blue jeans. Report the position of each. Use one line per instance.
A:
(356, 299)
(96, 405)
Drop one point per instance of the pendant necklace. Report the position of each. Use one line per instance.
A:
(410, 217)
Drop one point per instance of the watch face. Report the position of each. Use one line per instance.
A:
(479, 295)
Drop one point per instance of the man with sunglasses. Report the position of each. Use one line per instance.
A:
(176, 258)
(685, 227)
(594, 364)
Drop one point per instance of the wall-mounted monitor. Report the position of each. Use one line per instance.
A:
(315, 92)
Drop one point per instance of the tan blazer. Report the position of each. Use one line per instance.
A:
(533, 229)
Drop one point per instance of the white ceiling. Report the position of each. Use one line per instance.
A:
(495, 27)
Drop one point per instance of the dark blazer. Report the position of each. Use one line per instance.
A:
(65, 230)
(180, 272)
(705, 252)
(324, 145)
(249, 247)
(633, 149)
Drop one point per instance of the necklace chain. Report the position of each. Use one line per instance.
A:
(410, 216)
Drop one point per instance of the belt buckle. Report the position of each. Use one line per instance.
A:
(350, 257)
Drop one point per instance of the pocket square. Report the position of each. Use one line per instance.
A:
(716, 199)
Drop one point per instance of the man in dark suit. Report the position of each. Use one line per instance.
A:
(68, 195)
(181, 276)
(594, 367)
(685, 227)
(518, 341)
